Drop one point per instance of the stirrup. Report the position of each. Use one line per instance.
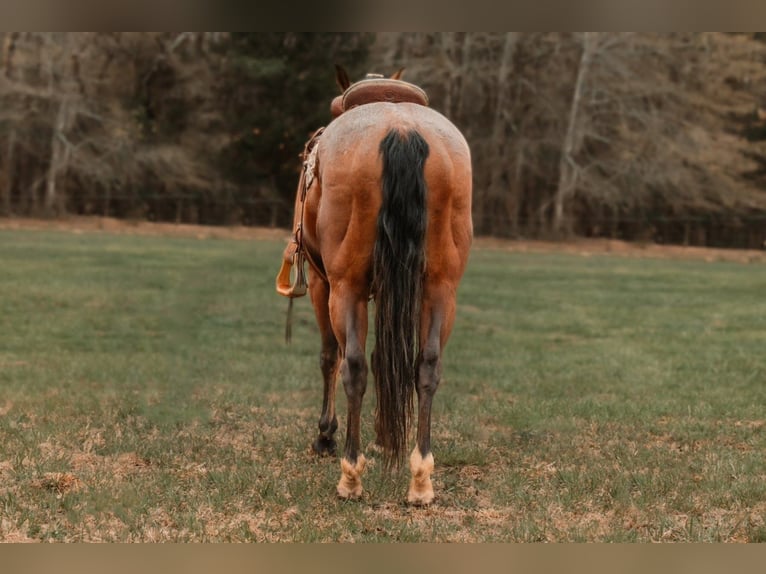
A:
(298, 287)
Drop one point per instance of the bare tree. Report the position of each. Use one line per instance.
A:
(568, 167)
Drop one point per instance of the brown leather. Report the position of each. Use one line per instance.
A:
(286, 287)
(295, 253)
(372, 90)
(336, 106)
(382, 90)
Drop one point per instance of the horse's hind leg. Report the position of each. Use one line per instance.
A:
(437, 318)
(328, 362)
(348, 311)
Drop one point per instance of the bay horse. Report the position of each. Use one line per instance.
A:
(382, 214)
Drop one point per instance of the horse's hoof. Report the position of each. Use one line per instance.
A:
(324, 446)
(421, 491)
(420, 498)
(350, 484)
(346, 494)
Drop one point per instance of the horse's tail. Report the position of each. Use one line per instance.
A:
(398, 268)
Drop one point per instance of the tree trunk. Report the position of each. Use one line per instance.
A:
(8, 173)
(59, 157)
(105, 210)
(465, 60)
(568, 169)
(513, 197)
(9, 48)
(498, 158)
(66, 87)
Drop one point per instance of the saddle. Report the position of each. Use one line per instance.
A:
(374, 88)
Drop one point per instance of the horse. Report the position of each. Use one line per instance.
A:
(382, 214)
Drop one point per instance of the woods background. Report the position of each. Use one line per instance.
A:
(631, 136)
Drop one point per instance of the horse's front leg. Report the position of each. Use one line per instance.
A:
(329, 360)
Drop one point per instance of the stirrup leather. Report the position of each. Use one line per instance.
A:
(295, 253)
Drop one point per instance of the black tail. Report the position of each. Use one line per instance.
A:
(398, 265)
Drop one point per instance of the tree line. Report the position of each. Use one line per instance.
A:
(657, 137)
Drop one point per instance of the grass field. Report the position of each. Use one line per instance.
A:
(146, 394)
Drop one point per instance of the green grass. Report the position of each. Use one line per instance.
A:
(146, 394)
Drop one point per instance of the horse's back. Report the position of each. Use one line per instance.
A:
(369, 123)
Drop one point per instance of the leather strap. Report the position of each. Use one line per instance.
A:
(296, 252)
